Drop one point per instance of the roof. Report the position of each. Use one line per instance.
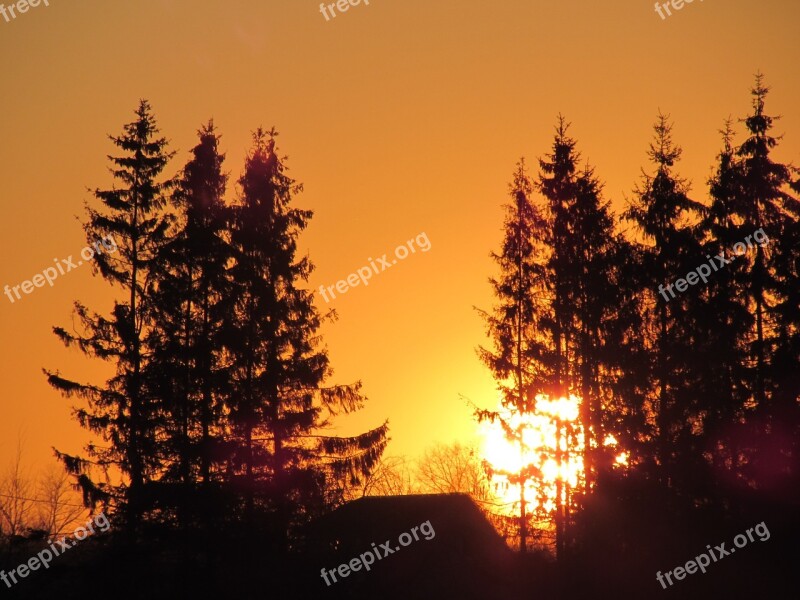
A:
(464, 558)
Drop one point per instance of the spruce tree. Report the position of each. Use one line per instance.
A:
(597, 295)
(767, 203)
(278, 404)
(665, 219)
(557, 183)
(722, 319)
(589, 326)
(122, 411)
(190, 301)
(518, 360)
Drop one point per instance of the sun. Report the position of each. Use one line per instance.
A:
(551, 449)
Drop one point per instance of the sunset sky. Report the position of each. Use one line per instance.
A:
(399, 117)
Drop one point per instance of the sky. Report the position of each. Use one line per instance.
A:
(398, 117)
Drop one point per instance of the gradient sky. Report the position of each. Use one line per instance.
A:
(399, 117)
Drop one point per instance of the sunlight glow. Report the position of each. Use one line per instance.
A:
(553, 442)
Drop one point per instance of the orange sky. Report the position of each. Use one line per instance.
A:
(400, 117)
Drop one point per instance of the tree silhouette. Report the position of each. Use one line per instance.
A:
(723, 320)
(453, 469)
(664, 215)
(766, 202)
(122, 411)
(589, 324)
(517, 360)
(278, 402)
(219, 399)
(57, 511)
(190, 302)
(16, 503)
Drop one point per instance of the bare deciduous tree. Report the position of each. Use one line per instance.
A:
(60, 505)
(392, 477)
(455, 468)
(16, 497)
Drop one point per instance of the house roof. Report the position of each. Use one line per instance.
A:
(464, 558)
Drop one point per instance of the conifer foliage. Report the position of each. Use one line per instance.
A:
(699, 386)
(517, 360)
(123, 411)
(220, 401)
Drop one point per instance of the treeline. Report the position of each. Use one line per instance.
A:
(218, 406)
(699, 385)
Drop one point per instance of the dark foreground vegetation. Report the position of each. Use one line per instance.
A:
(626, 543)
